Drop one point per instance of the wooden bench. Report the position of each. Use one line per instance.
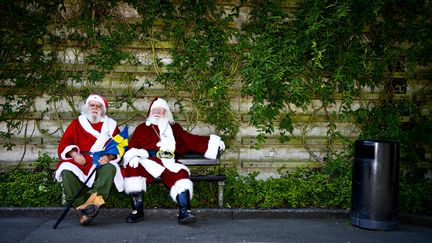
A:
(192, 159)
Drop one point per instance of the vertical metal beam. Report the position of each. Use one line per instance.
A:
(221, 185)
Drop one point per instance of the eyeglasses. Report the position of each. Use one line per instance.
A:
(95, 105)
(158, 110)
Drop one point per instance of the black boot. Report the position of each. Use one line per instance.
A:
(185, 215)
(137, 206)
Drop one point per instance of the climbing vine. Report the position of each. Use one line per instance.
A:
(326, 50)
(287, 57)
(205, 64)
(26, 69)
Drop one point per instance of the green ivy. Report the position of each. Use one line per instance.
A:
(326, 49)
(384, 122)
(26, 70)
(204, 63)
(282, 58)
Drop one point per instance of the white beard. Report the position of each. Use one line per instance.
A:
(160, 121)
(94, 118)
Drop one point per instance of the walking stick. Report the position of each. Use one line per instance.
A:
(66, 210)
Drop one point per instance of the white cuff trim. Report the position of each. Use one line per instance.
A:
(67, 150)
(213, 147)
(181, 186)
(142, 153)
(134, 184)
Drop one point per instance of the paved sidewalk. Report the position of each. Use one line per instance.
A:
(214, 225)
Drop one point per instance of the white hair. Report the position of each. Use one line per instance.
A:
(85, 110)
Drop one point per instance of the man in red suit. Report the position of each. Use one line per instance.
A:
(152, 150)
(87, 134)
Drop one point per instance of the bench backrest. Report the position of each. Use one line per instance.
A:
(198, 159)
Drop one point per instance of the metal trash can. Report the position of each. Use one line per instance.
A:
(375, 185)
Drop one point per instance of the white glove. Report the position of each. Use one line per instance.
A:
(134, 162)
(221, 145)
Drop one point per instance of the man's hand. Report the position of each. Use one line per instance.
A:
(77, 157)
(105, 159)
(134, 162)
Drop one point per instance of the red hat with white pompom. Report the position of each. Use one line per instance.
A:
(98, 98)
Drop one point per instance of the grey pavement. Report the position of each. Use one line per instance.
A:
(214, 225)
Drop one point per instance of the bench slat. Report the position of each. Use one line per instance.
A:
(198, 161)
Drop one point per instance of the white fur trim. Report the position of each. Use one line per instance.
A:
(107, 131)
(181, 186)
(118, 178)
(142, 153)
(153, 168)
(79, 173)
(87, 126)
(135, 184)
(71, 167)
(172, 166)
(213, 147)
(167, 140)
(66, 150)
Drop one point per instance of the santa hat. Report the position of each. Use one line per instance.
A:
(98, 98)
(160, 103)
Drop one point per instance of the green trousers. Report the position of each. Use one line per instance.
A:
(102, 184)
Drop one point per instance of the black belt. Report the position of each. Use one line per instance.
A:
(152, 153)
(161, 154)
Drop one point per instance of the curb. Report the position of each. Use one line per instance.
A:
(54, 212)
(420, 220)
(316, 213)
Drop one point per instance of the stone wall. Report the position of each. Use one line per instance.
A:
(43, 128)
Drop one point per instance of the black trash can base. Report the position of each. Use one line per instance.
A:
(374, 224)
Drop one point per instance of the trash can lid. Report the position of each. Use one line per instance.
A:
(369, 141)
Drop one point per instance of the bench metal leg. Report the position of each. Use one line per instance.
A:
(221, 185)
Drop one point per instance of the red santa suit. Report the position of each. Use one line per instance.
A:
(142, 165)
(85, 138)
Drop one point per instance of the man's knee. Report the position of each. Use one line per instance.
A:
(108, 168)
(67, 174)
